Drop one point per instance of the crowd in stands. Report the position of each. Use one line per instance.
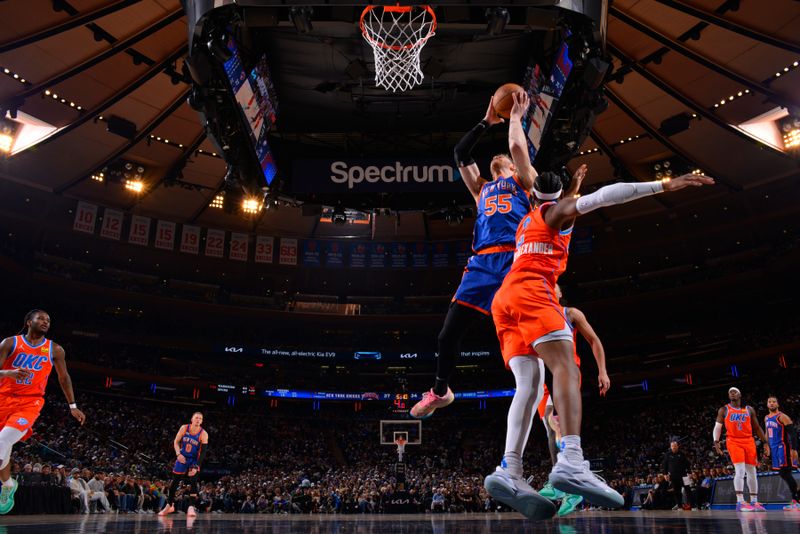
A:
(261, 462)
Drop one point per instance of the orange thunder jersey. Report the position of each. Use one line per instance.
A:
(737, 423)
(541, 251)
(37, 360)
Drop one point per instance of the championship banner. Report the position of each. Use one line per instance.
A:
(377, 255)
(111, 227)
(358, 255)
(463, 252)
(424, 175)
(190, 239)
(288, 251)
(238, 250)
(85, 218)
(215, 243)
(440, 257)
(264, 249)
(399, 255)
(165, 235)
(419, 255)
(311, 253)
(139, 233)
(334, 254)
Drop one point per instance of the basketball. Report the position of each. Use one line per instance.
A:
(503, 101)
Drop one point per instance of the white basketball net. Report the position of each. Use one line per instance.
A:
(397, 35)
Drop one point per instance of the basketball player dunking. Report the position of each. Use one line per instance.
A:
(580, 325)
(782, 437)
(740, 422)
(25, 364)
(533, 330)
(501, 204)
(191, 445)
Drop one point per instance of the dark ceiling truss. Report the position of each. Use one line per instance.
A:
(88, 115)
(17, 100)
(172, 176)
(619, 166)
(783, 100)
(716, 20)
(658, 136)
(140, 136)
(67, 25)
(627, 62)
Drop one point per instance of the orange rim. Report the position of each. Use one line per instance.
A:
(397, 9)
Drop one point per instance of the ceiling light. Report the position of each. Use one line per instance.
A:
(218, 202)
(137, 186)
(251, 205)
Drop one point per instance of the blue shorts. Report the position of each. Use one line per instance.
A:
(182, 468)
(483, 276)
(780, 456)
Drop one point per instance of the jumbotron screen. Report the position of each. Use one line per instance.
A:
(255, 95)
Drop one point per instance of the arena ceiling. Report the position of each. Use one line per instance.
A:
(68, 65)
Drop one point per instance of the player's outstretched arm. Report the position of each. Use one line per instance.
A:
(620, 193)
(585, 329)
(64, 380)
(462, 153)
(518, 143)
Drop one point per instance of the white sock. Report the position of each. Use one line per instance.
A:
(752, 481)
(739, 497)
(8, 483)
(529, 376)
(572, 449)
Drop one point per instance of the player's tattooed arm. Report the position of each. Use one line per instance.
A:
(64, 380)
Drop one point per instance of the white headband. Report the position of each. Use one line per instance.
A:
(735, 389)
(546, 196)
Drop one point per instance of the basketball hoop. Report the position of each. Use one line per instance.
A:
(401, 446)
(397, 35)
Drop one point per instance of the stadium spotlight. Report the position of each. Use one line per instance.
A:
(137, 186)
(300, 16)
(251, 205)
(497, 19)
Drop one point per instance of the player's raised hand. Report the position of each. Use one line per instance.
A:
(77, 414)
(687, 180)
(577, 180)
(491, 116)
(520, 107)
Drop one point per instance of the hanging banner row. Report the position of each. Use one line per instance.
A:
(162, 234)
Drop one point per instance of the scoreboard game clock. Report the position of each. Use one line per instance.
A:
(401, 403)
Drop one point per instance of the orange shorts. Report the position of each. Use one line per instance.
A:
(742, 451)
(20, 412)
(524, 311)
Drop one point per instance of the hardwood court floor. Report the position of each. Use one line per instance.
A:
(588, 522)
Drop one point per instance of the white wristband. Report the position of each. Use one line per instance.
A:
(73, 406)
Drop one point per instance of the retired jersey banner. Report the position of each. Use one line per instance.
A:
(85, 217)
(334, 254)
(399, 255)
(190, 239)
(264, 249)
(112, 224)
(215, 243)
(440, 256)
(238, 250)
(358, 255)
(311, 253)
(288, 251)
(419, 255)
(139, 233)
(165, 235)
(463, 252)
(377, 255)
(374, 175)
